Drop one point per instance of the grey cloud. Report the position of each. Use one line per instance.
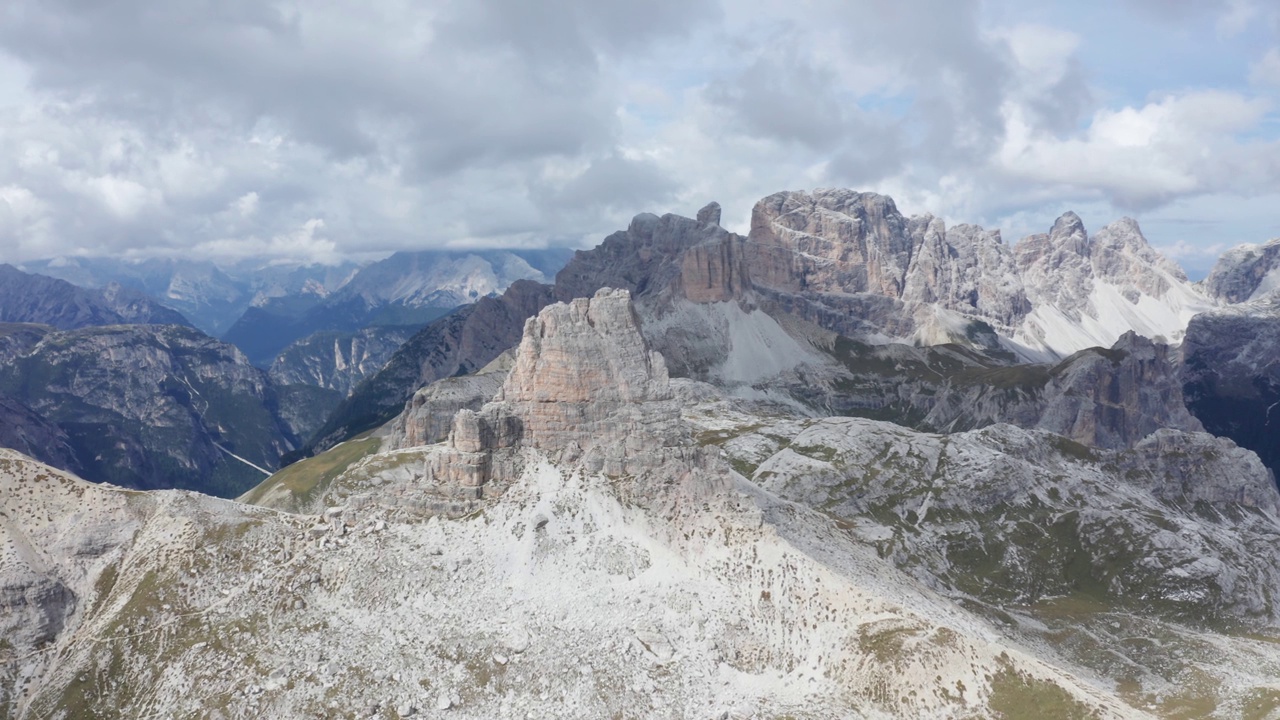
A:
(402, 124)
(613, 184)
(1060, 109)
(476, 80)
(310, 103)
(784, 98)
(952, 76)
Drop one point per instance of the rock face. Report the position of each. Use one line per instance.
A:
(1055, 266)
(1102, 398)
(1051, 294)
(338, 361)
(1005, 515)
(1231, 374)
(850, 567)
(153, 406)
(428, 416)
(41, 561)
(830, 241)
(966, 269)
(733, 589)
(26, 298)
(710, 214)
(17, 338)
(1247, 272)
(645, 259)
(1115, 398)
(586, 390)
(26, 431)
(457, 344)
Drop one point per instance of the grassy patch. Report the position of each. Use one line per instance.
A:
(303, 481)
(1261, 703)
(1017, 696)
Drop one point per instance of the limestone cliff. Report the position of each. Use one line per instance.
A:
(587, 391)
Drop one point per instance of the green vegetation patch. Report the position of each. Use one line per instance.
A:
(306, 479)
(1018, 696)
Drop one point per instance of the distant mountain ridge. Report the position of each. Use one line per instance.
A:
(209, 295)
(30, 298)
(408, 289)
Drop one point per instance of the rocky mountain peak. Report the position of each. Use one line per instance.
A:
(589, 350)
(831, 240)
(1055, 267)
(1068, 233)
(1245, 273)
(710, 214)
(587, 391)
(30, 298)
(1123, 257)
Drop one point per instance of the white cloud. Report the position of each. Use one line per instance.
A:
(1183, 251)
(1236, 17)
(123, 197)
(246, 205)
(1266, 71)
(1140, 157)
(324, 129)
(304, 243)
(1043, 53)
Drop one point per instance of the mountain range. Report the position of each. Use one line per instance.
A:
(851, 464)
(404, 290)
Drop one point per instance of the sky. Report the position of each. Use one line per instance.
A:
(324, 130)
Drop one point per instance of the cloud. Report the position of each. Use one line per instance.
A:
(1236, 18)
(305, 243)
(1183, 250)
(332, 128)
(1265, 72)
(1141, 157)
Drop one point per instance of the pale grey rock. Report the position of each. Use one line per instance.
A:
(1245, 272)
(1120, 255)
(1185, 468)
(428, 416)
(836, 254)
(1010, 515)
(1055, 267)
(586, 390)
(655, 645)
(44, 560)
(967, 269)
(830, 241)
(710, 214)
